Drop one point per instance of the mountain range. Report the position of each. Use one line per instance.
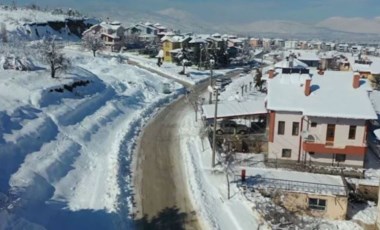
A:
(334, 28)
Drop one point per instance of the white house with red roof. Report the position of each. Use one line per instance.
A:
(318, 118)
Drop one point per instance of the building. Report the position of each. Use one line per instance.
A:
(256, 42)
(112, 34)
(268, 43)
(147, 32)
(171, 45)
(291, 45)
(318, 118)
(322, 196)
(343, 47)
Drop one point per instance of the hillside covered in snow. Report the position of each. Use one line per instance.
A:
(34, 24)
(66, 143)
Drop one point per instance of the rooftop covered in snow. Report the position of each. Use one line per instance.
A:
(231, 109)
(332, 95)
(296, 181)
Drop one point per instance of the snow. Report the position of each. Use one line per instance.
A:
(298, 181)
(377, 133)
(208, 187)
(67, 154)
(284, 90)
(16, 18)
(235, 108)
(304, 55)
(193, 76)
(29, 24)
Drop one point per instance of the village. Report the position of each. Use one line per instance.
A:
(309, 107)
(165, 129)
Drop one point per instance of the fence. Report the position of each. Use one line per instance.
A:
(258, 182)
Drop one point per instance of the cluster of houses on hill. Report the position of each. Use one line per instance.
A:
(320, 102)
(273, 44)
(157, 37)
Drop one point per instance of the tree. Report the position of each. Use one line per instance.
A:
(52, 55)
(3, 33)
(258, 80)
(92, 42)
(182, 58)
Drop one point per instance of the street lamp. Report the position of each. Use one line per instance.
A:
(216, 91)
(212, 62)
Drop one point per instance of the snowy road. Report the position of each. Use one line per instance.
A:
(160, 182)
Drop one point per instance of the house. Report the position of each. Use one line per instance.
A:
(316, 45)
(309, 57)
(290, 45)
(279, 43)
(318, 118)
(171, 45)
(321, 196)
(147, 32)
(329, 46)
(268, 43)
(235, 42)
(256, 42)
(112, 34)
(356, 49)
(343, 47)
(216, 41)
(328, 60)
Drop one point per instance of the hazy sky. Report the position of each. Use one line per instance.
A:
(234, 11)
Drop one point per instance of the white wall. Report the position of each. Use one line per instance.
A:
(286, 141)
(342, 127)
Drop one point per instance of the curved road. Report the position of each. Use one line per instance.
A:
(161, 188)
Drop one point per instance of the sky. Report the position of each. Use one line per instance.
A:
(231, 11)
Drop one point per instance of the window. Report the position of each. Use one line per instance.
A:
(352, 132)
(340, 157)
(311, 153)
(167, 53)
(281, 128)
(296, 128)
(286, 153)
(317, 204)
(313, 124)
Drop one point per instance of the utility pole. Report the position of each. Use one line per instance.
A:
(200, 56)
(212, 62)
(216, 90)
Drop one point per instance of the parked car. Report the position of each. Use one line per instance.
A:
(230, 127)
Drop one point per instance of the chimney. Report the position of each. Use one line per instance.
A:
(356, 81)
(271, 73)
(307, 87)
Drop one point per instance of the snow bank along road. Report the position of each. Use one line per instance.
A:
(162, 193)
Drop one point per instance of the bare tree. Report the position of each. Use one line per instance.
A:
(93, 42)
(52, 55)
(3, 32)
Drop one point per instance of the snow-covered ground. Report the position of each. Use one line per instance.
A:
(242, 211)
(65, 156)
(33, 24)
(210, 192)
(193, 75)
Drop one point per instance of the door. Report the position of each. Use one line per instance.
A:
(330, 135)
